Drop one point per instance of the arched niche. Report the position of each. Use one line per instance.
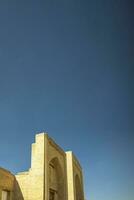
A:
(78, 189)
(56, 180)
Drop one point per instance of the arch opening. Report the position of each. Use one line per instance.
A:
(56, 180)
(78, 189)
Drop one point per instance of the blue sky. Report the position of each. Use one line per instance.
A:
(66, 67)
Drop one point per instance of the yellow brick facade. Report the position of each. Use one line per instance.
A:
(6, 183)
(54, 174)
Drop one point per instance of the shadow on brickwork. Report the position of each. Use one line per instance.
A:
(17, 193)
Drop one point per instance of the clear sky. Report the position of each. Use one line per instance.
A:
(66, 67)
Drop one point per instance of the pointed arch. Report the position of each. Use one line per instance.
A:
(56, 180)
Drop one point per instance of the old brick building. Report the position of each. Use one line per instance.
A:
(54, 175)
